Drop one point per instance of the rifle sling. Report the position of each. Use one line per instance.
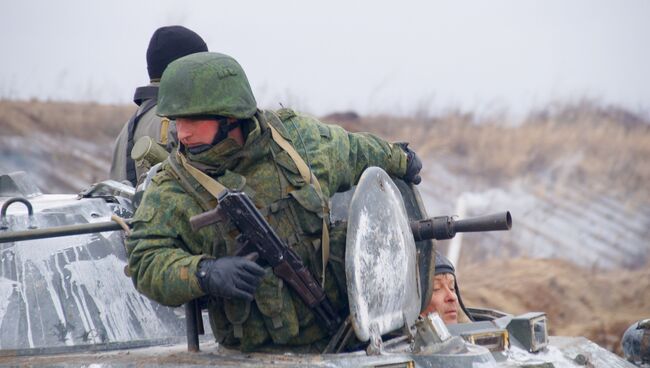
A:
(309, 177)
(211, 185)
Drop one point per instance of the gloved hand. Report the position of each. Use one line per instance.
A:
(413, 165)
(230, 277)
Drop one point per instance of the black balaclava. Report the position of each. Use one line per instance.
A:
(168, 44)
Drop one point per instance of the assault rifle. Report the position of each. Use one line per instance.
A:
(256, 233)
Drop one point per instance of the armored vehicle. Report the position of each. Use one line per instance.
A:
(66, 299)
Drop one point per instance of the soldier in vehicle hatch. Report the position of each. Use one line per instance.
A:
(289, 164)
(446, 296)
(166, 45)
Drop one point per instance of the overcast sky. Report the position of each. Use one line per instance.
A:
(369, 56)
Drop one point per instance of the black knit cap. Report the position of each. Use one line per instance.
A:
(168, 44)
(443, 265)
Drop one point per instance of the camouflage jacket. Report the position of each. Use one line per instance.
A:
(164, 251)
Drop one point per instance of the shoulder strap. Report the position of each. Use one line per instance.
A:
(132, 125)
(211, 185)
(164, 131)
(187, 181)
(309, 177)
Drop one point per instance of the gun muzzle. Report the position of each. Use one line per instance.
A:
(445, 227)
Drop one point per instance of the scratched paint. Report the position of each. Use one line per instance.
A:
(72, 290)
(382, 284)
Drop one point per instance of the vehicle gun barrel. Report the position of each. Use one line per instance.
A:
(53, 232)
(446, 227)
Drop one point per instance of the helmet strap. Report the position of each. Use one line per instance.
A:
(224, 129)
(222, 133)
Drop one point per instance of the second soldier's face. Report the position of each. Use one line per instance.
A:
(196, 132)
(444, 300)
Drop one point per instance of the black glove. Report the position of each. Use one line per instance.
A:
(229, 277)
(413, 165)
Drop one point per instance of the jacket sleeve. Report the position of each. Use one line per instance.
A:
(338, 157)
(163, 251)
(362, 150)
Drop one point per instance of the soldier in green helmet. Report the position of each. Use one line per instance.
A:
(289, 164)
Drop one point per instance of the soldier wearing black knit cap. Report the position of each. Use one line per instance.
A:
(166, 45)
(446, 296)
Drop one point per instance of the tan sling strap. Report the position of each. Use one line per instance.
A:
(164, 131)
(183, 178)
(309, 177)
(211, 185)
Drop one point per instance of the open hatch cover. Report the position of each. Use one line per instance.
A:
(380, 256)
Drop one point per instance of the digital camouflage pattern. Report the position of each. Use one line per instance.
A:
(205, 83)
(164, 251)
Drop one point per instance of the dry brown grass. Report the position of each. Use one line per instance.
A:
(603, 148)
(583, 143)
(88, 121)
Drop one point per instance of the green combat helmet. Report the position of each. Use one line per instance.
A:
(205, 83)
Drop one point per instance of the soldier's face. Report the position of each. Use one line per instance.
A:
(196, 132)
(444, 300)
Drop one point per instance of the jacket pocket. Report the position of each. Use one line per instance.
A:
(237, 312)
(289, 169)
(274, 302)
(144, 214)
(308, 209)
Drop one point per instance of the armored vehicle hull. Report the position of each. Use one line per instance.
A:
(67, 302)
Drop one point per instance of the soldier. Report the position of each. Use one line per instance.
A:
(289, 164)
(446, 297)
(166, 45)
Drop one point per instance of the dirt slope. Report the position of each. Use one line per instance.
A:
(89, 121)
(577, 301)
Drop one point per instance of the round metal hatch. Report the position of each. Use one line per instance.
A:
(380, 260)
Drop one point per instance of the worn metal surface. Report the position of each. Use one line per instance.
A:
(212, 354)
(583, 352)
(425, 248)
(65, 302)
(72, 290)
(18, 184)
(339, 209)
(563, 352)
(380, 258)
